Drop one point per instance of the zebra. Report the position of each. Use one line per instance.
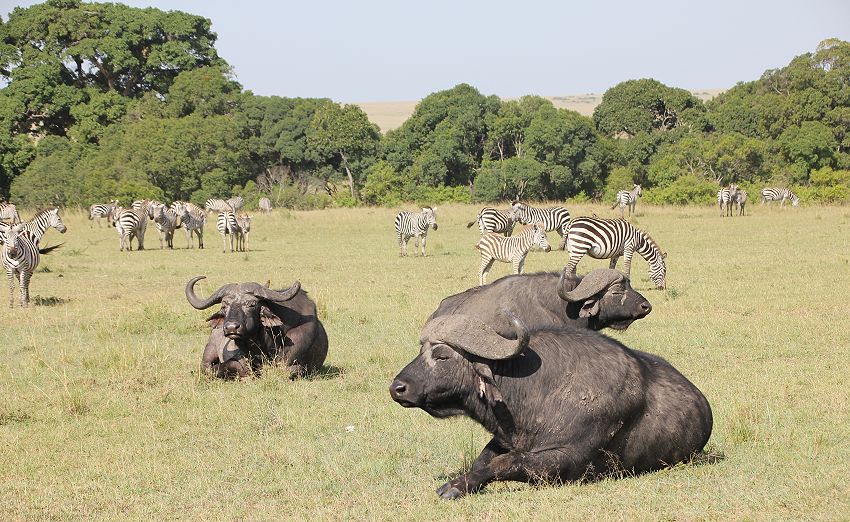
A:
(553, 218)
(627, 198)
(725, 198)
(217, 205)
(20, 252)
(166, 222)
(493, 247)
(130, 223)
(228, 226)
(236, 202)
(494, 220)
(101, 210)
(612, 238)
(740, 201)
(193, 221)
(9, 212)
(265, 205)
(244, 222)
(414, 224)
(771, 194)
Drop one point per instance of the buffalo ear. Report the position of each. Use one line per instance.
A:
(584, 309)
(216, 319)
(268, 318)
(485, 384)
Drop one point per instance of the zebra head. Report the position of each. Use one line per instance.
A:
(658, 270)
(795, 201)
(12, 240)
(539, 237)
(519, 211)
(637, 190)
(431, 215)
(55, 221)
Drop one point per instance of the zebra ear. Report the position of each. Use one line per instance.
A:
(663, 255)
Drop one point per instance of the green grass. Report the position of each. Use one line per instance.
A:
(103, 413)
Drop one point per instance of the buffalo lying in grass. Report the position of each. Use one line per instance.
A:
(562, 403)
(601, 299)
(257, 324)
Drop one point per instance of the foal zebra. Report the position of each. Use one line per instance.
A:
(740, 201)
(627, 198)
(166, 222)
(244, 222)
(228, 226)
(414, 224)
(771, 194)
(612, 238)
(20, 253)
(553, 218)
(192, 221)
(130, 223)
(494, 220)
(265, 205)
(493, 247)
(9, 212)
(725, 198)
(101, 210)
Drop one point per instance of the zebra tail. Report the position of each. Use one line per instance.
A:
(47, 250)
(615, 205)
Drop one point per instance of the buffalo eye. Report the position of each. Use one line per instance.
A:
(441, 352)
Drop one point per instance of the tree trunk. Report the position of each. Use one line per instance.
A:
(350, 177)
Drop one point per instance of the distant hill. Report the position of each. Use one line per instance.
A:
(391, 114)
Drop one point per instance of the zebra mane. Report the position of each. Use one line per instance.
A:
(43, 212)
(649, 240)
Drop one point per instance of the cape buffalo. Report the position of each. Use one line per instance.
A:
(256, 324)
(562, 403)
(601, 299)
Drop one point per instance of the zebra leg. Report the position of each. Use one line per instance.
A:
(223, 243)
(627, 260)
(200, 233)
(25, 287)
(423, 245)
(188, 238)
(486, 265)
(10, 274)
(613, 264)
(575, 257)
(519, 264)
(402, 246)
(416, 246)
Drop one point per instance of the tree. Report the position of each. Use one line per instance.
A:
(344, 134)
(636, 106)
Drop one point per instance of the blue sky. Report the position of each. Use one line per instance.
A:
(382, 50)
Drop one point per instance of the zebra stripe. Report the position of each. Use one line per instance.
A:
(236, 202)
(495, 247)
(101, 210)
(612, 238)
(414, 224)
(20, 253)
(217, 205)
(9, 212)
(131, 223)
(725, 198)
(770, 194)
(494, 220)
(166, 221)
(553, 218)
(265, 205)
(227, 226)
(244, 222)
(740, 201)
(193, 223)
(627, 198)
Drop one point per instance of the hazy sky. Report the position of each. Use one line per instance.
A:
(372, 50)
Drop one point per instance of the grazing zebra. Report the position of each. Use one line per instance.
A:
(612, 238)
(193, 223)
(20, 252)
(627, 198)
(217, 205)
(9, 212)
(770, 194)
(166, 221)
(244, 222)
(414, 224)
(740, 201)
(496, 247)
(130, 223)
(228, 226)
(725, 198)
(101, 210)
(494, 220)
(553, 218)
(265, 205)
(236, 202)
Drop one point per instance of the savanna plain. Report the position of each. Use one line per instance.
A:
(104, 415)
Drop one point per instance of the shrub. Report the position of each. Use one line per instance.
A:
(684, 190)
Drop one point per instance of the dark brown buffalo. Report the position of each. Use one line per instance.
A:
(563, 403)
(257, 324)
(601, 299)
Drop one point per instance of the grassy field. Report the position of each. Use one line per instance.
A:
(103, 414)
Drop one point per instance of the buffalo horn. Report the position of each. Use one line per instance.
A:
(278, 296)
(202, 304)
(590, 285)
(475, 337)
